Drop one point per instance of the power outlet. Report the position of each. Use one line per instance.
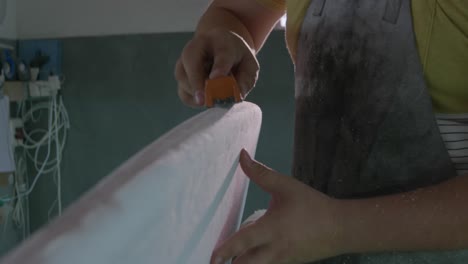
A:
(44, 88)
(16, 132)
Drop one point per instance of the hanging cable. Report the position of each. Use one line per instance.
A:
(40, 138)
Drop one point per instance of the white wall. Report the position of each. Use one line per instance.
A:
(8, 27)
(67, 18)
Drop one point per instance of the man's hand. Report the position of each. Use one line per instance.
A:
(226, 41)
(303, 225)
(300, 225)
(213, 54)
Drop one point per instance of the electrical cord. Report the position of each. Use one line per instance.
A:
(56, 133)
(35, 143)
(18, 215)
(57, 127)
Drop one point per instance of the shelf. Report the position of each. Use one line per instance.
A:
(19, 91)
(15, 91)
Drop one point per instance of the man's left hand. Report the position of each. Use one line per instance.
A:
(300, 225)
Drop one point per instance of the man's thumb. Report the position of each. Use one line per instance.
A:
(263, 176)
(222, 66)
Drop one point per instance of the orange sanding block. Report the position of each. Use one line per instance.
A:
(222, 91)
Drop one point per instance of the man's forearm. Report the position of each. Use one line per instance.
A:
(247, 18)
(432, 218)
(217, 17)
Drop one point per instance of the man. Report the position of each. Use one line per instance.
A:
(381, 125)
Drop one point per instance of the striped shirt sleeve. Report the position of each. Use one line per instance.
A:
(454, 132)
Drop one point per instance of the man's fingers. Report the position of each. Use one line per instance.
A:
(179, 72)
(247, 75)
(222, 64)
(186, 93)
(260, 255)
(194, 57)
(187, 98)
(252, 236)
(269, 180)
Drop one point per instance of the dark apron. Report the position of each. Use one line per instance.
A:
(364, 119)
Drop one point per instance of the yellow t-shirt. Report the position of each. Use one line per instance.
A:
(441, 28)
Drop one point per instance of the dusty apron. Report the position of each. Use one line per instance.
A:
(364, 119)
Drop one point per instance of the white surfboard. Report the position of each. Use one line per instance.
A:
(171, 203)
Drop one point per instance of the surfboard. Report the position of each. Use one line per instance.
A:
(170, 203)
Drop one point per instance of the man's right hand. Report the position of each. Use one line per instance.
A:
(212, 54)
(227, 38)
